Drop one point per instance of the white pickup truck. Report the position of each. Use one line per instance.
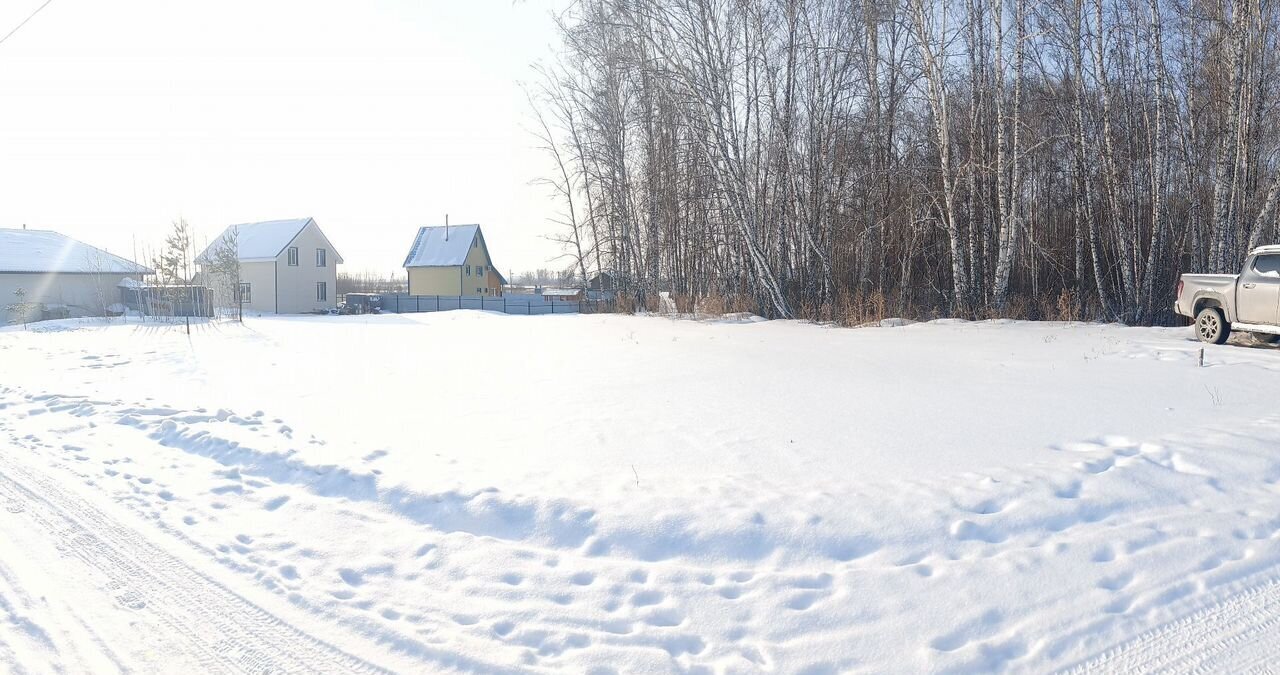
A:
(1248, 301)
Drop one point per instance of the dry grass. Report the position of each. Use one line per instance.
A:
(861, 308)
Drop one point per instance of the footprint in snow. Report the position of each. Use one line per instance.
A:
(813, 582)
(275, 502)
(1118, 606)
(985, 507)
(664, 617)
(1116, 582)
(1098, 465)
(646, 598)
(1069, 491)
(351, 577)
(967, 530)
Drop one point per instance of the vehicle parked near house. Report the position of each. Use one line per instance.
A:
(361, 303)
(1249, 301)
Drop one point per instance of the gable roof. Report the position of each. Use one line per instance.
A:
(48, 251)
(256, 242)
(442, 246)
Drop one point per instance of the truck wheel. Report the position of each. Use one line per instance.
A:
(1211, 326)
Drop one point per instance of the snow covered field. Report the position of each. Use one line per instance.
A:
(605, 494)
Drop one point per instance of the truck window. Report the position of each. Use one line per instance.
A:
(1267, 265)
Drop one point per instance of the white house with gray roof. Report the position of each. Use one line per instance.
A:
(46, 270)
(286, 266)
(452, 260)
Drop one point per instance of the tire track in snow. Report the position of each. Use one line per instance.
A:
(1239, 634)
(221, 630)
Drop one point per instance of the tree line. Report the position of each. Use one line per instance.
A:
(830, 159)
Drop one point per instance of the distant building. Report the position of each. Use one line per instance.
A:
(286, 266)
(452, 260)
(563, 294)
(59, 276)
(602, 282)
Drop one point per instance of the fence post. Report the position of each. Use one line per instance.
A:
(504, 304)
(437, 303)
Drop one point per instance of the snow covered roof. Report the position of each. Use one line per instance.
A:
(48, 251)
(441, 246)
(262, 241)
(561, 291)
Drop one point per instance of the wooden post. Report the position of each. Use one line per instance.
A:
(1202, 357)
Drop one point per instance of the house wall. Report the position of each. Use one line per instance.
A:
(435, 281)
(261, 277)
(478, 256)
(455, 280)
(83, 294)
(296, 290)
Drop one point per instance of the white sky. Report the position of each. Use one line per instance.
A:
(372, 116)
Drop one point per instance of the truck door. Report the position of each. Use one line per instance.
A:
(1258, 293)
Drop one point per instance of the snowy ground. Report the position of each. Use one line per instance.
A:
(622, 494)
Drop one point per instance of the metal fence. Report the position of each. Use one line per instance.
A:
(508, 304)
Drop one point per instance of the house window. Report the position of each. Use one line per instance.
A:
(320, 261)
(322, 290)
(475, 243)
(246, 292)
(479, 270)
(468, 270)
(293, 256)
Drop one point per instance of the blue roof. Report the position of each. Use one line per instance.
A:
(441, 246)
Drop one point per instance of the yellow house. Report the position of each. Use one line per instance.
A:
(452, 260)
